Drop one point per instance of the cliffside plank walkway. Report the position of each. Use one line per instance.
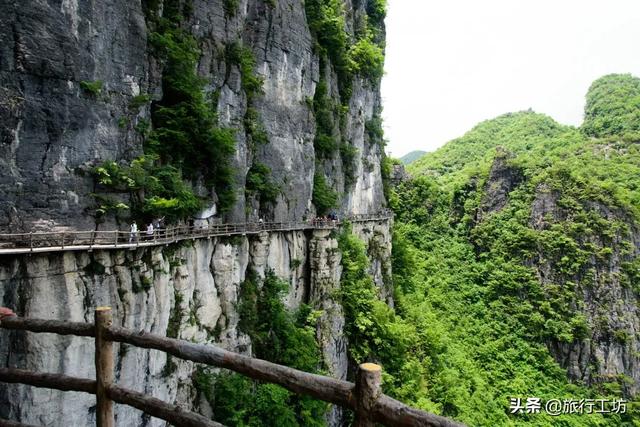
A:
(364, 397)
(38, 242)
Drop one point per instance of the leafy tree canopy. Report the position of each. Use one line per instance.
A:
(613, 106)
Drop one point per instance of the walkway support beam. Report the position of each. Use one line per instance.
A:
(104, 368)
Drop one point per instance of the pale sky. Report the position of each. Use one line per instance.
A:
(453, 63)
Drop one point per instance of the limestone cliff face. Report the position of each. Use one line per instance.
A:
(611, 349)
(190, 291)
(53, 131)
(603, 286)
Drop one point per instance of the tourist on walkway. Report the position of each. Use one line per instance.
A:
(133, 234)
(150, 231)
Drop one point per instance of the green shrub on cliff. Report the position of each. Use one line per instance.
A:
(185, 144)
(376, 10)
(92, 87)
(367, 58)
(156, 190)
(259, 183)
(371, 327)
(324, 197)
(326, 141)
(230, 7)
(327, 25)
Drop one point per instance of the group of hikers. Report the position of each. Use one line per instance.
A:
(151, 229)
(331, 217)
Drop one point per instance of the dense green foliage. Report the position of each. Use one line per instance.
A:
(326, 111)
(376, 10)
(279, 336)
(185, 132)
(347, 55)
(276, 334)
(613, 106)
(155, 190)
(466, 279)
(371, 326)
(367, 58)
(259, 183)
(329, 116)
(519, 132)
(324, 197)
(363, 56)
(327, 24)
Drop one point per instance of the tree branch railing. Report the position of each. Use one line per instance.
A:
(364, 397)
(36, 242)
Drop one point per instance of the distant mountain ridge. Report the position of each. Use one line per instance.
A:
(412, 156)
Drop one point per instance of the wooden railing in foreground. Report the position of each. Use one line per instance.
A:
(364, 397)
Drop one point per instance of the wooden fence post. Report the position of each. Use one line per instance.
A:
(368, 390)
(104, 368)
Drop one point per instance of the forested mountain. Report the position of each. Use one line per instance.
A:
(516, 265)
(412, 156)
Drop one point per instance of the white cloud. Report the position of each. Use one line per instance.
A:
(451, 64)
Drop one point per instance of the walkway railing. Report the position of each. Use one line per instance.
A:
(37, 242)
(364, 397)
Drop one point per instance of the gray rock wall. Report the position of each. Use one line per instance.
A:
(49, 126)
(52, 131)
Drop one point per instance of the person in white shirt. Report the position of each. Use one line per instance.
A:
(150, 231)
(133, 232)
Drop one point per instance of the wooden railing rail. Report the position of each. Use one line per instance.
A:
(364, 397)
(317, 386)
(150, 405)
